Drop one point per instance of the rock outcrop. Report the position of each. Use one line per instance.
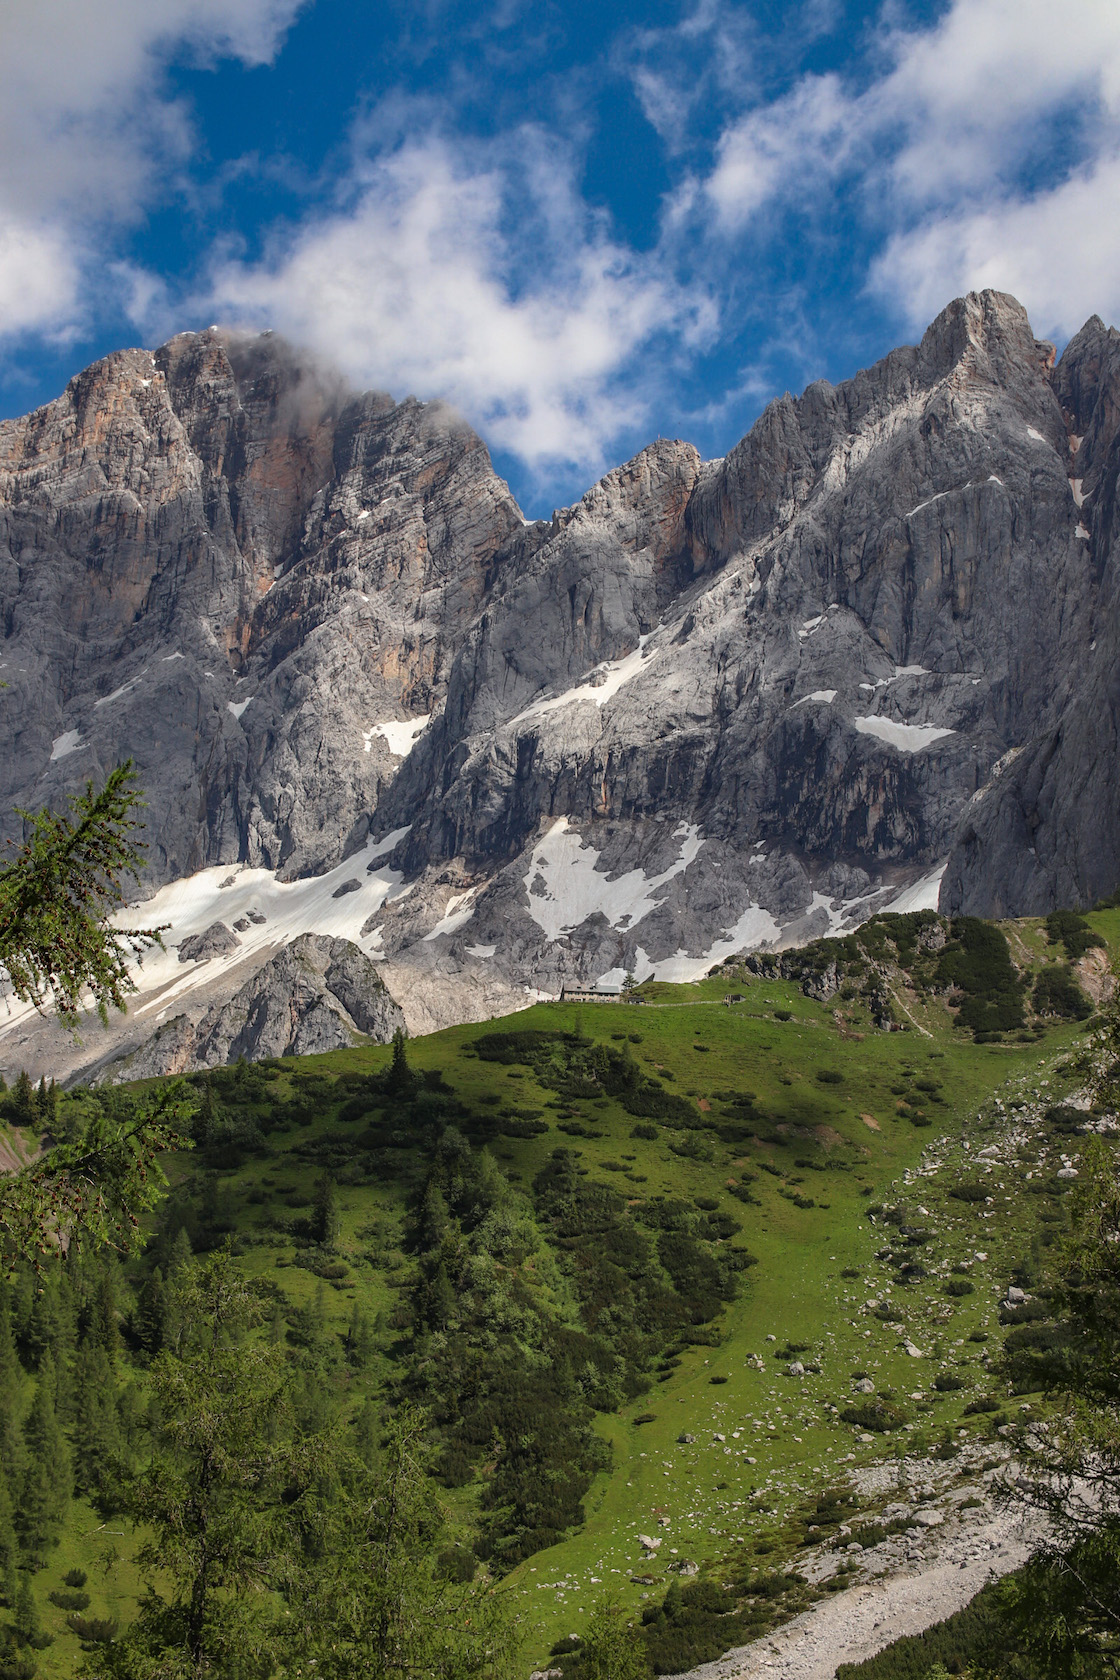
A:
(712, 706)
(315, 994)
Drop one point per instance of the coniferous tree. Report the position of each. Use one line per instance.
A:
(9, 1544)
(25, 1621)
(612, 1647)
(151, 1307)
(326, 1221)
(97, 1430)
(384, 1611)
(22, 1107)
(400, 1079)
(218, 1499)
(47, 1481)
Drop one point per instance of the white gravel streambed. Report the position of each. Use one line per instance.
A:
(957, 1560)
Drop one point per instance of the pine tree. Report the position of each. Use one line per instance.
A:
(45, 1495)
(9, 1545)
(151, 1308)
(612, 1647)
(25, 1622)
(326, 1221)
(400, 1079)
(360, 1344)
(22, 1107)
(97, 1431)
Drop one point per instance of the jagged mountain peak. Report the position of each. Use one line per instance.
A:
(736, 701)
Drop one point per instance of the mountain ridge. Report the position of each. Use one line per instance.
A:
(710, 704)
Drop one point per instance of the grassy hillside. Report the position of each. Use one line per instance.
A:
(627, 1254)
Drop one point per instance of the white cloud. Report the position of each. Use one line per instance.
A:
(952, 153)
(86, 124)
(38, 276)
(1058, 252)
(785, 147)
(477, 275)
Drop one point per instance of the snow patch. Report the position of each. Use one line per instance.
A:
(809, 626)
(1075, 486)
(238, 706)
(168, 657)
(1080, 531)
(825, 695)
(941, 494)
(364, 514)
(400, 736)
(453, 917)
(1038, 437)
(481, 951)
(63, 745)
(565, 887)
(906, 737)
(118, 692)
(289, 908)
(911, 671)
(923, 895)
(599, 686)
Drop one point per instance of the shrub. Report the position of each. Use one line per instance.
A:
(1066, 927)
(75, 1577)
(879, 1416)
(946, 1383)
(94, 1630)
(959, 1286)
(1056, 993)
(830, 1076)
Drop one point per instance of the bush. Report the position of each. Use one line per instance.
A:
(1068, 928)
(1056, 993)
(830, 1076)
(94, 1631)
(878, 1416)
(946, 1383)
(959, 1286)
(75, 1578)
(69, 1600)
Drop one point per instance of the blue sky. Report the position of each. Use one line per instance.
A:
(582, 224)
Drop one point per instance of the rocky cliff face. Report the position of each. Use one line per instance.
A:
(711, 705)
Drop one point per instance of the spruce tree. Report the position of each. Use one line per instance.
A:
(97, 1430)
(400, 1079)
(22, 1107)
(151, 1308)
(25, 1622)
(326, 1220)
(9, 1545)
(47, 1481)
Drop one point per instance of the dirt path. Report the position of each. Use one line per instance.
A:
(858, 1623)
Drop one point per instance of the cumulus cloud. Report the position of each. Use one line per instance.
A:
(87, 125)
(478, 275)
(986, 151)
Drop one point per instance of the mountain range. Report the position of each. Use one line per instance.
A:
(868, 660)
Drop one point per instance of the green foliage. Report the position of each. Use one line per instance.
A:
(612, 1648)
(977, 962)
(57, 893)
(1057, 994)
(1070, 929)
(95, 1189)
(385, 1609)
(977, 1635)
